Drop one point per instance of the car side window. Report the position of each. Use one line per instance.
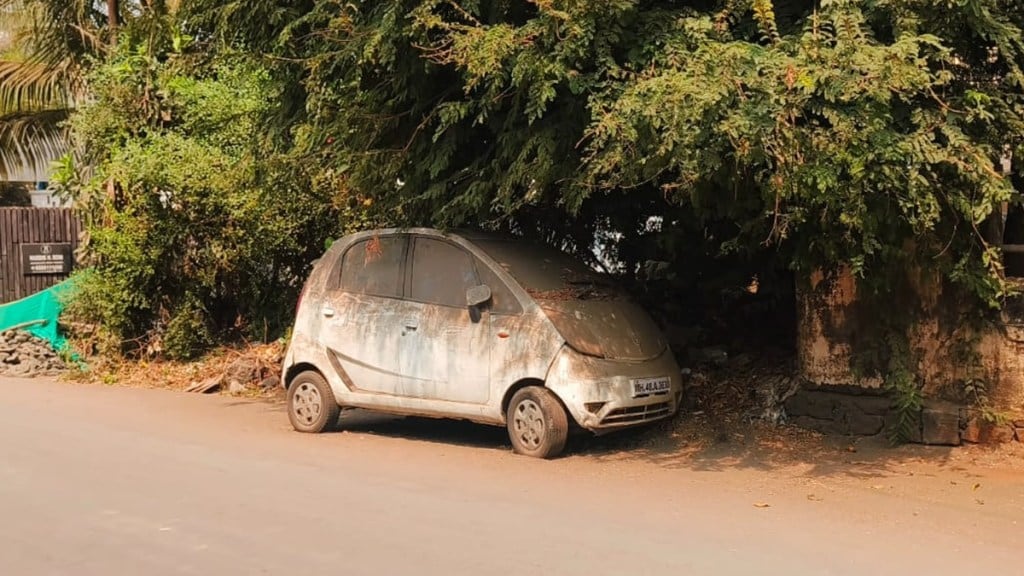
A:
(375, 267)
(502, 299)
(441, 273)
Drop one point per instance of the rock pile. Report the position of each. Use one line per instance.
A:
(25, 355)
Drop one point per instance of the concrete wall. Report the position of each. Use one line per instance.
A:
(827, 331)
(834, 324)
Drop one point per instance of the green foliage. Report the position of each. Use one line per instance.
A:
(198, 228)
(834, 136)
(842, 138)
(228, 138)
(107, 301)
(905, 391)
(188, 331)
(907, 402)
(976, 394)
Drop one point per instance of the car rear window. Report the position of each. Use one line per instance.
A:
(375, 267)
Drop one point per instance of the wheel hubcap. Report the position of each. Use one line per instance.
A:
(528, 422)
(306, 403)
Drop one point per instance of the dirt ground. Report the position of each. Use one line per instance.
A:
(722, 438)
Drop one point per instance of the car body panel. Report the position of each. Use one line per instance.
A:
(402, 356)
(598, 393)
(459, 350)
(378, 325)
(613, 329)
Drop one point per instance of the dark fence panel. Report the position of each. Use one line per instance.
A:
(21, 226)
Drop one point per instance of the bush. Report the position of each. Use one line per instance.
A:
(198, 230)
(188, 331)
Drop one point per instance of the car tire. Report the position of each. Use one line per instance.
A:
(537, 423)
(311, 404)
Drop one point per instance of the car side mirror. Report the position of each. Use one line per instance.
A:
(478, 295)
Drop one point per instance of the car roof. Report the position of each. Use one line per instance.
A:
(466, 234)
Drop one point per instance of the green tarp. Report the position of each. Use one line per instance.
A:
(37, 314)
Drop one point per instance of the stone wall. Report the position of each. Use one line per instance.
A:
(957, 363)
(858, 411)
(845, 410)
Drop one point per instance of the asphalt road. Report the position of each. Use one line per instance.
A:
(107, 481)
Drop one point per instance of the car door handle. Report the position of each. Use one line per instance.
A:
(410, 326)
(328, 311)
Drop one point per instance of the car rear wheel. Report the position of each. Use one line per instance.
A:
(537, 423)
(311, 404)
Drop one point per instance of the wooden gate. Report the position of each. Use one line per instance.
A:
(36, 249)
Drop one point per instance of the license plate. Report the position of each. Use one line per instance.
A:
(646, 386)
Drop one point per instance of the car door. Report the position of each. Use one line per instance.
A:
(445, 352)
(362, 314)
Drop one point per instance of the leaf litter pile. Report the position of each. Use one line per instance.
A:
(250, 370)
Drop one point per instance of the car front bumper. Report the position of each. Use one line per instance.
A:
(598, 393)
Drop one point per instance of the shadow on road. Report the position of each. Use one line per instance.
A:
(685, 443)
(697, 443)
(439, 431)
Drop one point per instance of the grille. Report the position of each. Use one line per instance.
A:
(635, 414)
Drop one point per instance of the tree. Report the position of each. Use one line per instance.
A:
(800, 134)
(45, 47)
(834, 134)
(199, 229)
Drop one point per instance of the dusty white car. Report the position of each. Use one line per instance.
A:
(477, 327)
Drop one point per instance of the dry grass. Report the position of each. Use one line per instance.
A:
(173, 375)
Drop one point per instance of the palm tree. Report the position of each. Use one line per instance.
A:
(44, 45)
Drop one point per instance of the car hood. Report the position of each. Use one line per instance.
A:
(612, 329)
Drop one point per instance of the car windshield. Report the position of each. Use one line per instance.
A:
(548, 274)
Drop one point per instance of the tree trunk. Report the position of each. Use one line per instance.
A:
(113, 19)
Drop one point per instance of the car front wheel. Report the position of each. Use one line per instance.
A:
(537, 423)
(311, 404)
